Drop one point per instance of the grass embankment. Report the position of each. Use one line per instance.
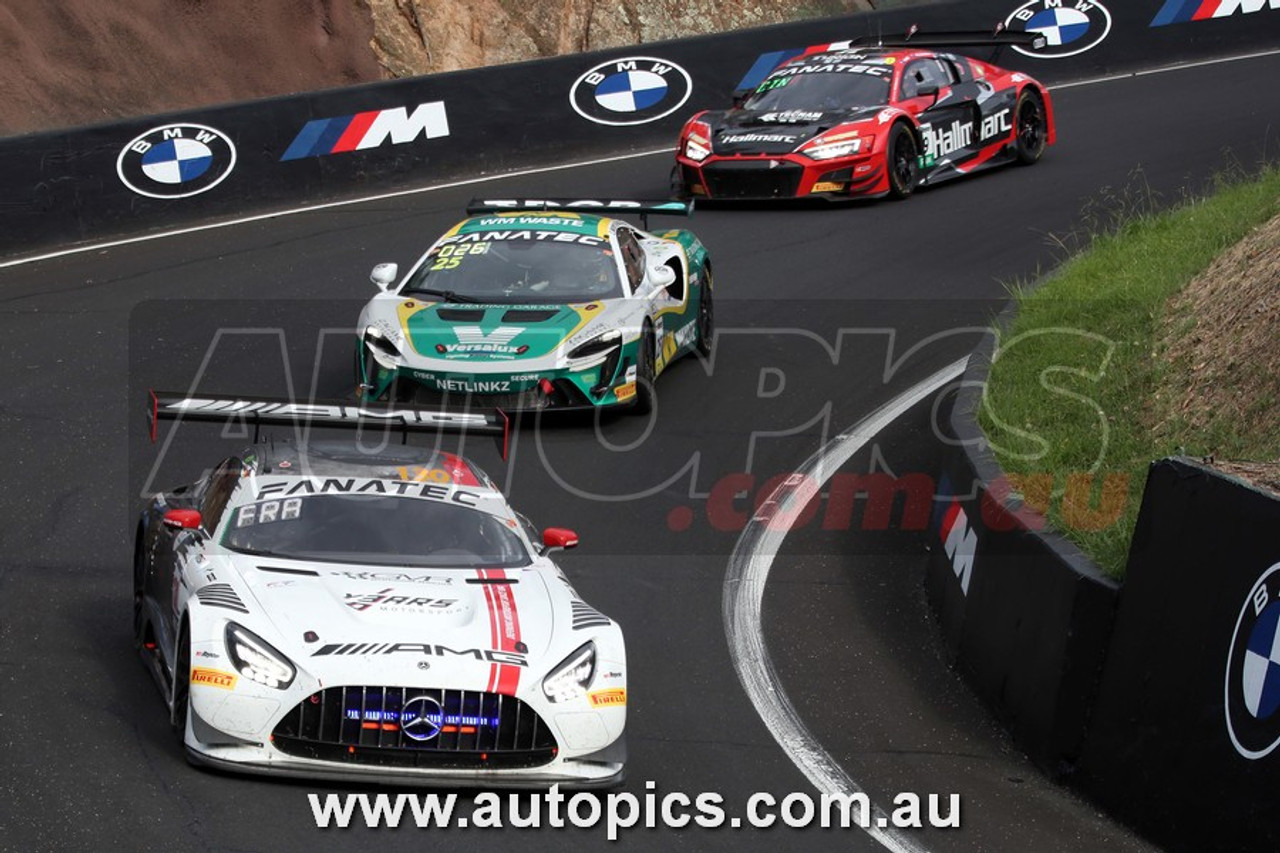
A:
(1160, 339)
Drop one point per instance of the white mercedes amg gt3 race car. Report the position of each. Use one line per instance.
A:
(320, 611)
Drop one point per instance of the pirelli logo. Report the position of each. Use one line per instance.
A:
(214, 678)
(608, 698)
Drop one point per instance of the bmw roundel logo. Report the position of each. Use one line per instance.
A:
(176, 161)
(631, 90)
(1068, 26)
(420, 718)
(1252, 684)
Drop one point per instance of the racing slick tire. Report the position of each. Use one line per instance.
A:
(646, 371)
(181, 685)
(902, 158)
(706, 317)
(1031, 127)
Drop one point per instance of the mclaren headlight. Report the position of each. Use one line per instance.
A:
(830, 149)
(255, 659)
(570, 679)
(598, 346)
(382, 348)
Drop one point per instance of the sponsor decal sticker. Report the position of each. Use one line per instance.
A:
(828, 187)
(625, 391)
(631, 90)
(214, 678)
(1069, 26)
(608, 698)
(1252, 683)
(363, 131)
(176, 161)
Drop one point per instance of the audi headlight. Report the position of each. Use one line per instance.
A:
(255, 659)
(599, 345)
(697, 144)
(571, 678)
(381, 347)
(823, 149)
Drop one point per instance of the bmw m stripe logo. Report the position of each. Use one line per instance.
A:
(176, 161)
(1068, 26)
(632, 90)
(366, 130)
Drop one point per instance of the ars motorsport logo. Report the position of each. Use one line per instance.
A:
(1068, 26)
(1252, 684)
(631, 90)
(176, 161)
(372, 129)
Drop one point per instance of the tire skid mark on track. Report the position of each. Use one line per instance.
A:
(743, 597)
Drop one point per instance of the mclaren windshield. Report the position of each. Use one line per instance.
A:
(830, 91)
(525, 267)
(374, 529)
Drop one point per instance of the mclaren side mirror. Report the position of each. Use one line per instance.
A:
(663, 276)
(559, 537)
(384, 275)
(182, 519)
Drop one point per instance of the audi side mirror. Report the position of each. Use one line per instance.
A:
(384, 275)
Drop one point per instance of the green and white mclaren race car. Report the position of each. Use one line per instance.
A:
(531, 305)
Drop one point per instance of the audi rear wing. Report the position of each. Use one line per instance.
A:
(641, 207)
(997, 37)
(260, 411)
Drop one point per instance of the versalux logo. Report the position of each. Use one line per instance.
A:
(1069, 27)
(1182, 11)
(632, 90)
(1252, 684)
(176, 161)
(363, 131)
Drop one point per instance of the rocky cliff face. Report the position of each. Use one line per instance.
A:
(71, 62)
(424, 36)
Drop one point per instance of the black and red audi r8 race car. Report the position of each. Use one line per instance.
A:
(843, 120)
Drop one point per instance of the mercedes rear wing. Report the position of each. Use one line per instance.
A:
(261, 411)
(641, 207)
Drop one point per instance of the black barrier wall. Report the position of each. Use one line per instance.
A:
(168, 171)
(1025, 615)
(1185, 740)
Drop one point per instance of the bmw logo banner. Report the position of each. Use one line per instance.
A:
(629, 91)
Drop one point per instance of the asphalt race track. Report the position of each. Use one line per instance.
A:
(89, 761)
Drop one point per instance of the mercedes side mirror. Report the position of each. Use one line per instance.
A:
(554, 538)
(182, 519)
(384, 275)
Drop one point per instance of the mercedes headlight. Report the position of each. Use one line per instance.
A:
(571, 678)
(255, 659)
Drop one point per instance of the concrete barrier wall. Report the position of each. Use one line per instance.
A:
(163, 172)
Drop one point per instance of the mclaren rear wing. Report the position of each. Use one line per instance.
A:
(260, 411)
(640, 207)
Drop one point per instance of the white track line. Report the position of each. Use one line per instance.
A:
(744, 584)
(536, 171)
